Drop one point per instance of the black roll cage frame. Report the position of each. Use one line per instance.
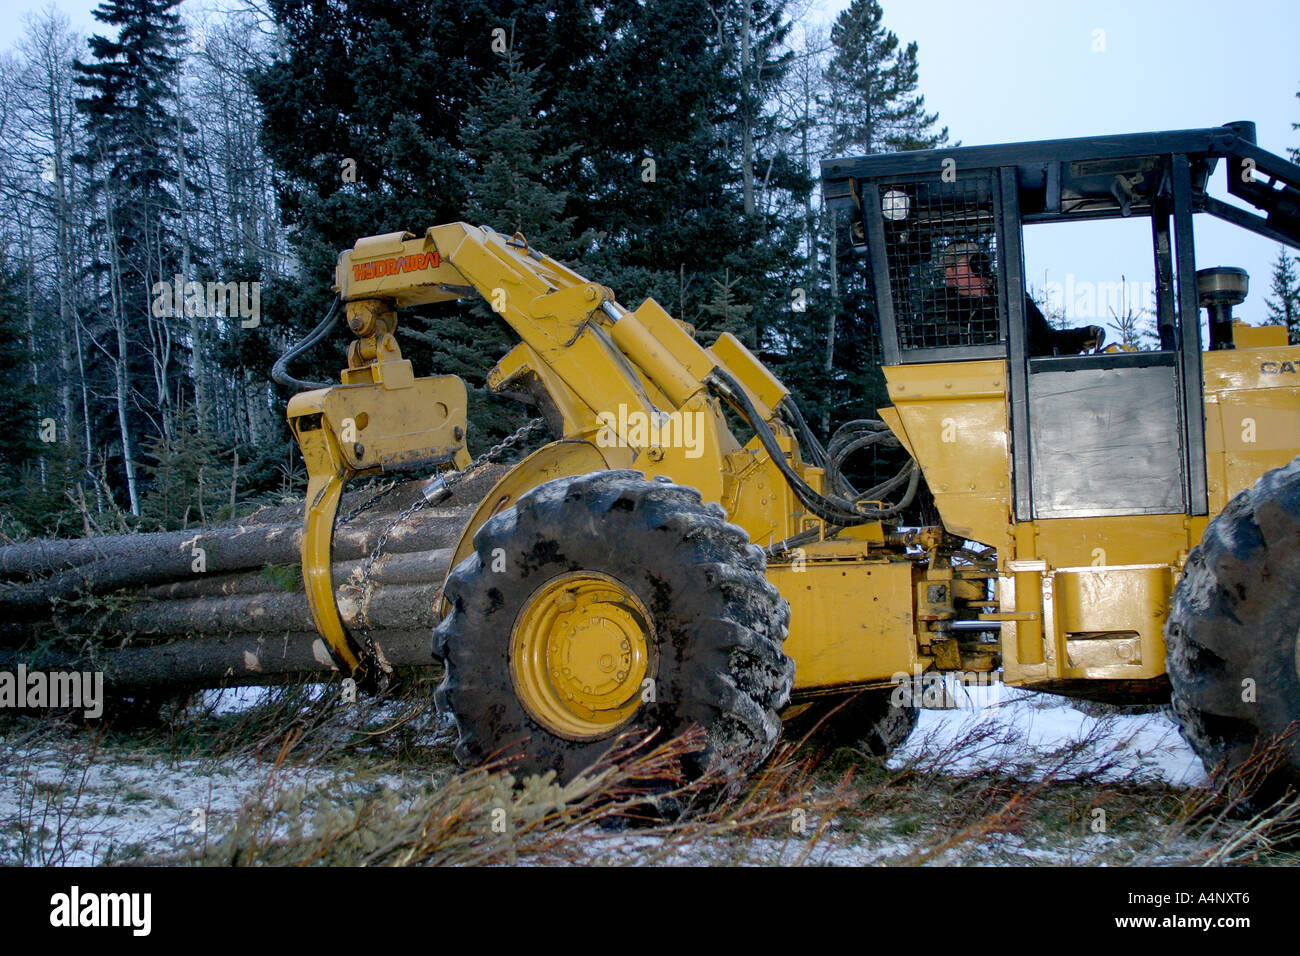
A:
(1078, 179)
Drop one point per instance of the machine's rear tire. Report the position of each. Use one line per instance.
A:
(1233, 633)
(589, 587)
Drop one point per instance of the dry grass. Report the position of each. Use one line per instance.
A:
(392, 796)
(488, 816)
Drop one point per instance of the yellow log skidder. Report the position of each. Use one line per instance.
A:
(1119, 524)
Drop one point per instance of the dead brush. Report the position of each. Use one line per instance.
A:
(787, 806)
(482, 816)
(983, 791)
(1222, 824)
(46, 827)
(488, 816)
(318, 721)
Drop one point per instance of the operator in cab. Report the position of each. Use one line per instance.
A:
(970, 300)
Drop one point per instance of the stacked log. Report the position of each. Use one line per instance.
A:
(224, 605)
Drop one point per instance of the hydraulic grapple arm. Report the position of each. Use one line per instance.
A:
(604, 376)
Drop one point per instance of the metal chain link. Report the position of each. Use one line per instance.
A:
(449, 480)
(366, 505)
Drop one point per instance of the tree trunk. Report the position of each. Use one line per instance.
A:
(231, 660)
(388, 607)
(107, 563)
(155, 623)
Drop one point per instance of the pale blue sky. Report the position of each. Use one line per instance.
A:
(1009, 70)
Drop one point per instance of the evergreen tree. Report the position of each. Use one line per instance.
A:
(659, 182)
(1283, 306)
(655, 197)
(19, 413)
(34, 467)
(509, 182)
(873, 104)
(728, 313)
(188, 482)
(668, 169)
(360, 151)
(134, 140)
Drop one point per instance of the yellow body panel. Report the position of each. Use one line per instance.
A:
(1252, 416)
(954, 421)
(1115, 540)
(847, 621)
(1258, 336)
(1110, 621)
(399, 429)
(1086, 598)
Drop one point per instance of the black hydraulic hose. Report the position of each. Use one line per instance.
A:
(793, 414)
(279, 371)
(834, 511)
(792, 542)
(852, 437)
(831, 509)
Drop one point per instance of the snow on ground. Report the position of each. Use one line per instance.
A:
(114, 805)
(117, 807)
(1022, 724)
(234, 700)
(126, 803)
(990, 727)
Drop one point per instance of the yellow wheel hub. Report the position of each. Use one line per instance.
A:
(579, 652)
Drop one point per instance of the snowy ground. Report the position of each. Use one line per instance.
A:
(62, 803)
(992, 728)
(1026, 726)
(111, 805)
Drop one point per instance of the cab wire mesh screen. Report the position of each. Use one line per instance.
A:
(942, 254)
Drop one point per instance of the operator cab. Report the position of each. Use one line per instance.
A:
(1097, 428)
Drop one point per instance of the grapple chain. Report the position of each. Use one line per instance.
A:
(367, 504)
(373, 661)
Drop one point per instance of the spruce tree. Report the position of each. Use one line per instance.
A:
(134, 136)
(510, 175)
(728, 312)
(20, 416)
(1283, 305)
(652, 204)
(873, 104)
(360, 151)
(36, 467)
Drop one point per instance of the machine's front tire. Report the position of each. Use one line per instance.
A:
(1233, 633)
(605, 603)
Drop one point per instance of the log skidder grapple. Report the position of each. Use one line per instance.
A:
(1116, 522)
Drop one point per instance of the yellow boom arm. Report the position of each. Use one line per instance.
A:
(629, 384)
